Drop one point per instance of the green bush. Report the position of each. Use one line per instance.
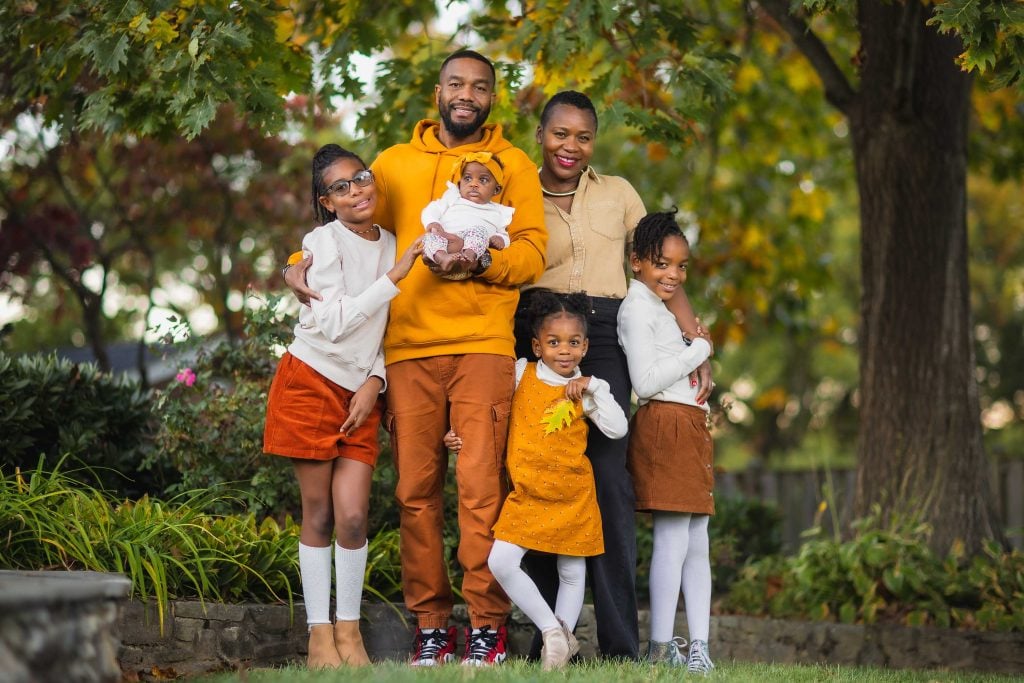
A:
(211, 426)
(55, 408)
(885, 575)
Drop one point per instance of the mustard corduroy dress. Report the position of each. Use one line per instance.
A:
(553, 507)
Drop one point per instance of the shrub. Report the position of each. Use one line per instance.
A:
(212, 417)
(889, 575)
(55, 408)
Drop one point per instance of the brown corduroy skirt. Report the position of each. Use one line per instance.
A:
(671, 459)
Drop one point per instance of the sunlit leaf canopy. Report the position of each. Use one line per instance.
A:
(707, 106)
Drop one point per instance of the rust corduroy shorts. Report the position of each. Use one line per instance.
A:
(305, 411)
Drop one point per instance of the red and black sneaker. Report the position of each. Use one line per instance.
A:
(434, 646)
(485, 647)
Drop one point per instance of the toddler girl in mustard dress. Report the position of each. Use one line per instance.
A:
(553, 507)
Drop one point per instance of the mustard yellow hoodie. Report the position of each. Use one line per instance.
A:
(433, 316)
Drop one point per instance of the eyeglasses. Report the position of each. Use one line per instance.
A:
(341, 187)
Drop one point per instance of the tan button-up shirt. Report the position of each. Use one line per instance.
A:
(587, 245)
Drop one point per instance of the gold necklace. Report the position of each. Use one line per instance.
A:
(363, 232)
(558, 194)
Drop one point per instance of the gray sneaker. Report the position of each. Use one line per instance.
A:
(699, 661)
(668, 653)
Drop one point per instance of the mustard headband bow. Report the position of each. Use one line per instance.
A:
(485, 158)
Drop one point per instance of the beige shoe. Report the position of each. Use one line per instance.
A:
(555, 652)
(349, 642)
(574, 645)
(322, 653)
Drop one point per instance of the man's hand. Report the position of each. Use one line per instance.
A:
(295, 278)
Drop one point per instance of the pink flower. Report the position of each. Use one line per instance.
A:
(186, 377)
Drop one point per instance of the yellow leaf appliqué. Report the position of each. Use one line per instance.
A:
(559, 415)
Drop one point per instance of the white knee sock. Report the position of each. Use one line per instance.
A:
(504, 562)
(671, 537)
(697, 579)
(350, 568)
(315, 571)
(572, 583)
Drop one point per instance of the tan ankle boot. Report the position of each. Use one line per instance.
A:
(574, 645)
(555, 653)
(322, 652)
(349, 642)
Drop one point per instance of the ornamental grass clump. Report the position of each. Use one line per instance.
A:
(169, 550)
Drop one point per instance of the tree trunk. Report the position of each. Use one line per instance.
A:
(920, 452)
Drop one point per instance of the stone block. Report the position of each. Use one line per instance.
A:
(214, 611)
(235, 645)
(844, 643)
(205, 644)
(140, 623)
(275, 618)
(186, 630)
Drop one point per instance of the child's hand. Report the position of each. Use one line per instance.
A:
(496, 243)
(452, 441)
(361, 404)
(575, 388)
(435, 228)
(703, 333)
(404, 263)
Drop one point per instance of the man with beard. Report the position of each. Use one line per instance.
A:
(450, 364)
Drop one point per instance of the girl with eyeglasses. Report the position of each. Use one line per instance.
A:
(325, 403)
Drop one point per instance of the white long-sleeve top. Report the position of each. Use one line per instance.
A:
(456, 215)
(341, 336)
(599, 405)
(659, 359)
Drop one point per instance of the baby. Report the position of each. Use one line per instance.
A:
(464, 222)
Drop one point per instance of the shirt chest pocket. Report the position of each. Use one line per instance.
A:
(606, 219)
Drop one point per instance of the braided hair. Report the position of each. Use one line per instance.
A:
(652, 231)
(569, 98)
(544, 303)
(322, 160)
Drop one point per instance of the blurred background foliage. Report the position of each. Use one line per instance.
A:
(155, 161)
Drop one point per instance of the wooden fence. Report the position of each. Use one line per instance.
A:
(799, 496)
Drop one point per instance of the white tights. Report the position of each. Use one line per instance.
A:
(504, 562)
(681, 556)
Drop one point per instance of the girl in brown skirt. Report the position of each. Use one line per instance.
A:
(670, 448)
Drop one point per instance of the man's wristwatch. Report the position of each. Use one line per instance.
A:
(483, 263)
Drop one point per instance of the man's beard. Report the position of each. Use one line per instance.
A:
(463, 130)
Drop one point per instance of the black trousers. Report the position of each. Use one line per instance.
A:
(612, 575)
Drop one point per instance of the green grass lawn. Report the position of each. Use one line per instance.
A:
(519, 670)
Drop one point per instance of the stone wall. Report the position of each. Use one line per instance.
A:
(60, 626)
(198, 639)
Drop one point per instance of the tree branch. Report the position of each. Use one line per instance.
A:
(838, 90)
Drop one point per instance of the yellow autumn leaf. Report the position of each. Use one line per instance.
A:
(284, 26)
(753, 238)
(160, 31)
(559, 415)
(810, 205)
(746, 76)
(775, 397)
(799, 76)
